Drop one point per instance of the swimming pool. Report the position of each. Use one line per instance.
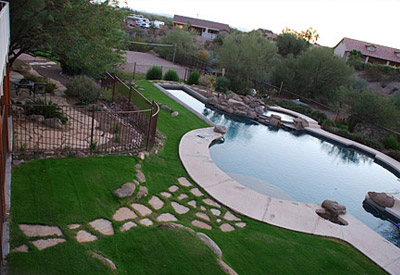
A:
(297, 166)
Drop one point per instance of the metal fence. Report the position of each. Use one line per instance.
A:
(128, 125)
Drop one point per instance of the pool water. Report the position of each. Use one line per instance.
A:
(298, 166)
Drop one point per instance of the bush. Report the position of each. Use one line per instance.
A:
(47, 110)
(106, 95)
(193, 78)
(319, 116)
(154, 73)
(84, 88)
(222, 84)
(171, 75)
(390, 142)
(205, 80)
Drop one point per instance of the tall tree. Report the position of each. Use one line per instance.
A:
(309, 34)
(246, 58)
(85, 37)
(289, 43)
(316, 74)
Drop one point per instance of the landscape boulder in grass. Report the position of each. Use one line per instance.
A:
(220, 129)
(381, 199)
(125, 190)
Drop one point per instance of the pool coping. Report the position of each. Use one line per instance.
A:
(297, 216)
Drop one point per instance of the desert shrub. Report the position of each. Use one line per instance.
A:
(390, 142)
(300, 108)
(319, 116)
(106, 95)
(154, 73)
(327, 123)
(222, 84)
(84, 88)
(205, 80)
(46, 109)
(193, 78)
(171, 75)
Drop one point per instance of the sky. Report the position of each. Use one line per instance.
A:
(374, 21)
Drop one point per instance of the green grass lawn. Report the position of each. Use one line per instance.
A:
(64, 191)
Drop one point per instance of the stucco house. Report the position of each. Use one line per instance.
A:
(206, 29)
(373, 53)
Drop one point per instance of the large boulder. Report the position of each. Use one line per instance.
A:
(381, 199)
(54, 123)
(220, 129)
(236, 104)
(275, 122)
(212, 100)
(300, 123)
(259, 110)
(125, 190)
(334, 207)
(251, 114)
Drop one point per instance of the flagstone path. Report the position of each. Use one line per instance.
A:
(204, 213)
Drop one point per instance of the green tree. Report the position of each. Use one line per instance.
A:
(246, 58)
(316, 74)
(184, 40)
(369, 107)
(85, 37)
(288, 43)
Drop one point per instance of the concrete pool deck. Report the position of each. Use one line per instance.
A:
(195, 156)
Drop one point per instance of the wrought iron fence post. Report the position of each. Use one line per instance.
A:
(130, 95)
(150, 125)
(113, 90)
(134, 71)
(94, 106)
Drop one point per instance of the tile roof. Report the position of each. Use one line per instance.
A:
(382, 52)
(200, 23)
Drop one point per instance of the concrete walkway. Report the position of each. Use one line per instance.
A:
(195, 156)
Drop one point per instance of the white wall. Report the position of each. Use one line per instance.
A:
(340, 49)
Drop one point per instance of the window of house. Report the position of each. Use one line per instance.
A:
(397, 54)
(371, 48)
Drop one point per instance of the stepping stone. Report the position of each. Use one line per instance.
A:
(106, 261)
(184, 182)
(73, 226)
(210, 202)
(240, 224)
(166, 194)
(167, 217)
(196, 192)
(136, 182)
(156, 202)
(215, 212)
(193, 203)
(83, 237)
(23, 248)
(126, 190)
(143, 192)
(173, 188)
(219, 220)
(230, 217)
(179, 208)
(105, 227)
(202, 216)
(127, 226)
(146, 222)
(201, 224)
(182, 197)
(42, 244)
(202, 208)
(124, 213)
(141, 209)
(138, 166)
(140, 176)
(40, 230)
(226, 227)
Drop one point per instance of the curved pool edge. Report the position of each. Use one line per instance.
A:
(195, 157)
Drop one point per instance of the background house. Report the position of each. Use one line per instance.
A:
(372, 53)
(206, 29)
